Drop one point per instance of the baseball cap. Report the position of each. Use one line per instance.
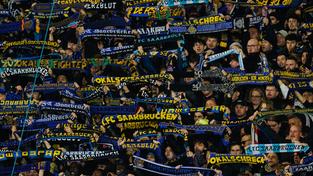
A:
(241, 102)
(283, 33)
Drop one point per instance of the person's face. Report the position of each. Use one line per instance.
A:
(211, 43)
(266, 46)
(274, 125)
(291, 45)
(36, 96)
(198, 47)
(94, 70)
(240, 110)
(281, 61)
(272, 159)
(295, 133)
(256, 98)
(308, 96)
(304, 57)
(229, 7)
(2, 96)
(235, 150)
(199, 147)
(61, 79)
(169, 154)
(210, 103)
(273, 20)
(296, 158)
(292, 24)
(271, 92)
(291, 65)
(295, 122)
(253, 46)
(206, 92)
(197, 116)
(253, 33)
(234, 64)
(281, 40)
(246, 140)
(151, 158)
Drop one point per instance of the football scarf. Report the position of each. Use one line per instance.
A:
(71, 21)
(157, 39)
(155, 12)
(32, 154)
(108, 120)
(139, 125)
(301, 85)
(274, 3)
(76, 136)
(256, 79)
(221, 55)
(225, 88)
(69, 2)
(308, 160)
(69, 94)
(4, 13)
(113, 110)
(160, 169)
(64, 107)
(117, 80)
(259, 149)
(87, 155)
(170, 3)
(17, 107)
(197, 128)
(292, 75)
(124, 33)
(37, 44)
(214, 109)
(8, 72)
(103, 5)
(117, 50)
(133, 3)
(140, 145)
(50, 88)
(152, 30)
(218, 159)
(301, 168)
(266, 114)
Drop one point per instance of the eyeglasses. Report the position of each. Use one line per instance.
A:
(256, 96)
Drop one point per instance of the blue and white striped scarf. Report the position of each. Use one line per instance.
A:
(170, 3)
(258, 149)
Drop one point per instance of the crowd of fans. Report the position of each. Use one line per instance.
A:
(278, 43)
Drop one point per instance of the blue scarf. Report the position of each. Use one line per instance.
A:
(65, 107)
(197, 128)
(160, 169)
(117, 50)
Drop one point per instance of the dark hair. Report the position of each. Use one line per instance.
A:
(274, 14)
(275, 119)
(198, 41)
(281, 53)
(291, 37)
(273, 85)
(294, 16)
(293, 57)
